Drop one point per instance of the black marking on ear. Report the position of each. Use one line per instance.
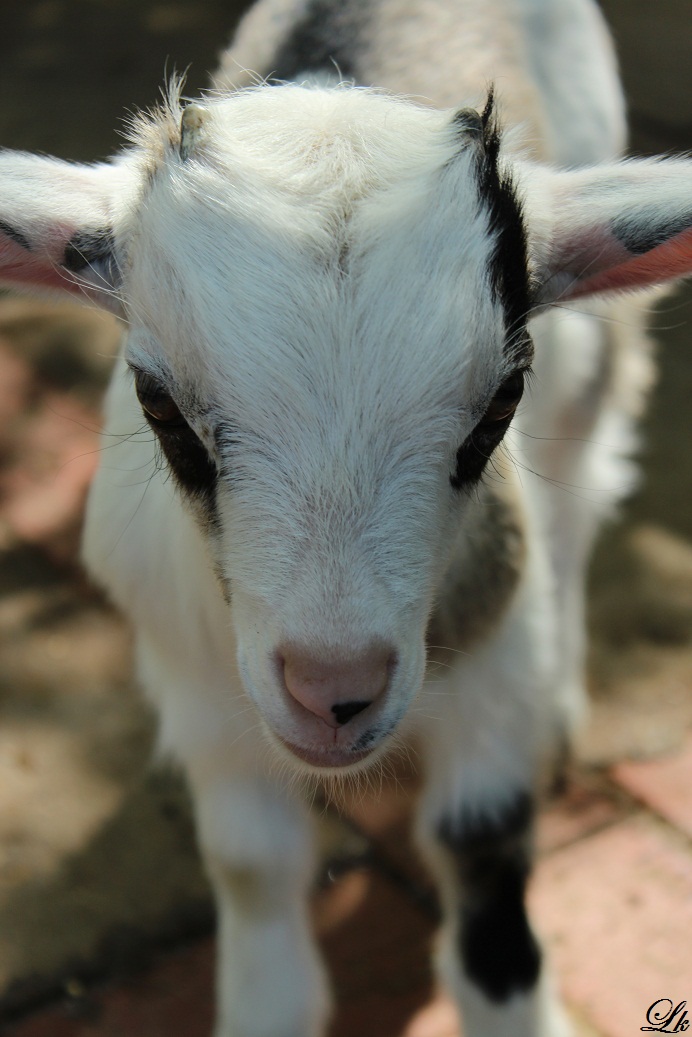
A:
(15, 235)
(647, 231)
(509, 270)
(326, 39)
(89, 249)
(498, 951)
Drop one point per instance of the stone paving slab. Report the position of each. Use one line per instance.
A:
(664, 784)
(616, 910)
(587, 805)
(613, 903)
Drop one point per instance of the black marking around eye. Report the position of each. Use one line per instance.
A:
(326, 39)
(189, 461)
(473, 455)
(15, 235)
(475, 452)
(191, 466)
(647, 231)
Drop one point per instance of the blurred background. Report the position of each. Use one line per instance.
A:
(96, 852)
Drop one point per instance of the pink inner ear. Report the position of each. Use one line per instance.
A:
(667, 261)
(21, 267)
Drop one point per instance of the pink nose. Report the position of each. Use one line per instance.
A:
(336, 690)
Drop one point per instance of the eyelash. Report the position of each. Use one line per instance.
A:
(188, 458)
(157, 403)
(504, 403)
(474, 453)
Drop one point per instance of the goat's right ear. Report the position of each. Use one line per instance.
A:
(56, 225)
(610, 228)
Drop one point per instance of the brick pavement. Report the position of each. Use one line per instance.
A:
(612, 896)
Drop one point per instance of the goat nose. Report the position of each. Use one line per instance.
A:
(338, 690)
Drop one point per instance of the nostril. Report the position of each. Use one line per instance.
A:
(345, 711)
(334, 686)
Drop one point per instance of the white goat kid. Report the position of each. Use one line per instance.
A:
(326, 293)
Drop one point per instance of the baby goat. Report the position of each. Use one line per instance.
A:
(332, 299)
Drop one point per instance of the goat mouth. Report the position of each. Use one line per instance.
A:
(327, 757)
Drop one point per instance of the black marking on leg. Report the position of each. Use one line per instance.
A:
(15, 235)
(498, 951)
(326, 39)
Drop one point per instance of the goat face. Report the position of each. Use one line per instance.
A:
(326, 292)
(314, 339)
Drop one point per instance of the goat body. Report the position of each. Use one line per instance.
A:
(329, 531)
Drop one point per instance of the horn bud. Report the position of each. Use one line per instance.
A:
(191, 128)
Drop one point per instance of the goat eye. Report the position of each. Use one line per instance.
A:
(504, 402)
(157, 403)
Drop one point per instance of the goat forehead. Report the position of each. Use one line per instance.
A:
(259, 345)
(321, 279)
(376, 274)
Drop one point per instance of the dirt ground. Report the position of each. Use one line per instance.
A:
(97, 858)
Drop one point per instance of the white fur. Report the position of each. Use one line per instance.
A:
(333, 405)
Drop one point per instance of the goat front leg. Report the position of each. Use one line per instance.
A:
(490, 959)
(258, 848)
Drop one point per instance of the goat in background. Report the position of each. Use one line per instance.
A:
(339, 534)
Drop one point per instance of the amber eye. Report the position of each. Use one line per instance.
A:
(504, 402)
(157, 403)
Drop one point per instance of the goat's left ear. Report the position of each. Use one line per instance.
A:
(611, 228)
(56, 225)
